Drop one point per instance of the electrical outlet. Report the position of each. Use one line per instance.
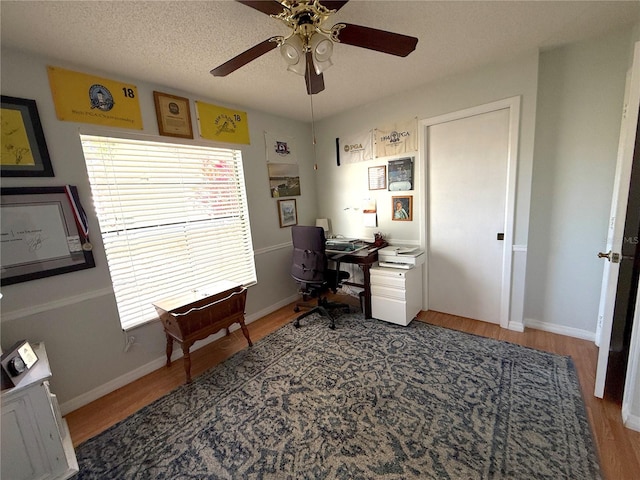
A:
(128, 341)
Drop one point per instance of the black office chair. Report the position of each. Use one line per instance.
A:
(310, 269)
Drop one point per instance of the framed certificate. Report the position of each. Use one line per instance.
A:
(173, 114)
(378, 178)
(40, 234)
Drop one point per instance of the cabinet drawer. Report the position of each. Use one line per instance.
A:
(388, 292)
(394, 281)
(391, 310)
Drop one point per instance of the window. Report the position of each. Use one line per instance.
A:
(173, 217)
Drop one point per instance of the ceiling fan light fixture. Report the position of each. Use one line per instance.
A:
(322, 49)
(292, 50)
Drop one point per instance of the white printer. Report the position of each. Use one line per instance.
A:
(396, 256)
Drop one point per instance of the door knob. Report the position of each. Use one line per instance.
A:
(612, 257)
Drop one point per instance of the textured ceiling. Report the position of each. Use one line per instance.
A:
(175, 44)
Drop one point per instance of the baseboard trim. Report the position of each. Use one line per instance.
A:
(560, 329)
(106, 388)
(632, 422)
(516, 326)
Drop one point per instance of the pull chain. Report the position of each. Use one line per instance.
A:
(313, 126)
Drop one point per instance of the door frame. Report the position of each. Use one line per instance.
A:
(513, 105)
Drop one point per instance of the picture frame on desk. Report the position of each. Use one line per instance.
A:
(287, 213)
(24, 150)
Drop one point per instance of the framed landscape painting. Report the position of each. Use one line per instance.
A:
(287, 213)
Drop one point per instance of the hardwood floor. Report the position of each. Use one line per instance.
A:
(619, 447)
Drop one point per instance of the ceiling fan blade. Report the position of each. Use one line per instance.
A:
(270, 7)
(334, 5)
(245, 57)
(379, 40)
(314, 81)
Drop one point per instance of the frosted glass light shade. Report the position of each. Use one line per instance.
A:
(322, 49)
(292, 51)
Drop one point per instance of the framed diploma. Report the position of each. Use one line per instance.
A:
(173, 114)
(43, 233)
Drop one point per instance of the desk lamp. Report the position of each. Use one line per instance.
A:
(324, 223)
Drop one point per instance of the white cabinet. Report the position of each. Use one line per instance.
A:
(35, 438)
(396, 294)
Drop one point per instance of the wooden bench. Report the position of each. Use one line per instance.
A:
(194, 316)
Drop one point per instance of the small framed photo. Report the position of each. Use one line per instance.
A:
(287, 213)
(401, 174)
(24, 150)
(402, 208)
(173, 114)
(378, 178)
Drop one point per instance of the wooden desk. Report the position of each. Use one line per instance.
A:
(364, 259)
(195, 315)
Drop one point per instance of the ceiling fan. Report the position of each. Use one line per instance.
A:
(308, 48)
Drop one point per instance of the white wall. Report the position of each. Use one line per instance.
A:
(580, 96)
(75, 313)
(344, 186)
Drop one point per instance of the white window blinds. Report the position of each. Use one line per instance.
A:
(173, 217)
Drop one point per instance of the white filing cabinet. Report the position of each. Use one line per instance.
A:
(396, 294)
(35, 438)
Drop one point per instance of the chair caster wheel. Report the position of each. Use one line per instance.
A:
(296, 324)
(332, 327)
(296, 309)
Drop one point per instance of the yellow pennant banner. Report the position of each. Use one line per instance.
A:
(222, 124)
(84, 98)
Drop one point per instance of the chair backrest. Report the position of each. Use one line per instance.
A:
(310, 261)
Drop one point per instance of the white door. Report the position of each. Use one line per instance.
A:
(467, 178)
(617, 219)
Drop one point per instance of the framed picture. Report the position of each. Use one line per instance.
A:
(284, 179)
(402, 208)
(42, 233)
(401, 174)
(23, 148)
(173, 114)
(378, 178)
(287, 213)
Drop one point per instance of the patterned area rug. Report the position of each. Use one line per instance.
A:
(367, 400)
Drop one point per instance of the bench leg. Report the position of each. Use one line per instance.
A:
(169, 349)
(245, 331)
(186, 358)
